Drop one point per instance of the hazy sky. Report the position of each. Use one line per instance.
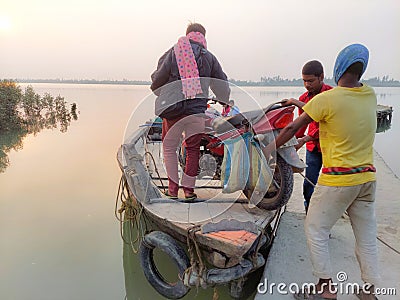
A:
(119, 39)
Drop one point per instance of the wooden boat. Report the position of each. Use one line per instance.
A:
(215, 240)
(384, 117)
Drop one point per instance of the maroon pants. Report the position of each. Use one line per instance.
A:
(192, 127)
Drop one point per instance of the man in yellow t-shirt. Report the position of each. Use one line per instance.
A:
(347, 125)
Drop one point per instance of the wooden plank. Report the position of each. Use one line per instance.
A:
(199, 213)
(170, 210)
(237, 238)
(228, 246)
(138, 178)
(384, 108)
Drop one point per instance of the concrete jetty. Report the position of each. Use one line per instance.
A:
(289, 261)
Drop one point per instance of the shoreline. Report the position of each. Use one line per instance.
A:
(144, 82)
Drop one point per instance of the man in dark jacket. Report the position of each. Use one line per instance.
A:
(181, 82)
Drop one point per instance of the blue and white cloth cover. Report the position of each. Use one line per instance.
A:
(348, 56)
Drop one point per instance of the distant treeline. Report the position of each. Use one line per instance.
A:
(385, 81)
(85, 81)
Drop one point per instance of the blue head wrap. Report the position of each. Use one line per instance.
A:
(348, 56)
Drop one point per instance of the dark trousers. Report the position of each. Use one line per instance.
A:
(314, 164)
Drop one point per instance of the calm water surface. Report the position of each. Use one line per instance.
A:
(58, 235)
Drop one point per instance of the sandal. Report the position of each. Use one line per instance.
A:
(169, 196)
(191, 197)
(305, 296)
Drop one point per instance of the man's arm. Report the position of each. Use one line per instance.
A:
(161, 75)
(287, 133)
(292, 101)
(305, 139)
(314, 134)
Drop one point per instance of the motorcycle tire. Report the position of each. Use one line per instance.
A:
(283, 175)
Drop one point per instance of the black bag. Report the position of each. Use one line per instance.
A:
(171, 102)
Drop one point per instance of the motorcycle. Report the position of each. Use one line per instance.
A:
(265, 125)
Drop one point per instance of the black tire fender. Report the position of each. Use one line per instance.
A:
(163, 241)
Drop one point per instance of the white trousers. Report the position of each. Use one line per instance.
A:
(327, 205)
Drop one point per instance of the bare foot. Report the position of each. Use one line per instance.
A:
(326, 292)
(368, 294)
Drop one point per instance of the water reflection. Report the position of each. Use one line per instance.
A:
(25, 112)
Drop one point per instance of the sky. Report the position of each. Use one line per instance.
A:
(123, 39)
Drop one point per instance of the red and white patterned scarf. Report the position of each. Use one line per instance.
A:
(187, 65)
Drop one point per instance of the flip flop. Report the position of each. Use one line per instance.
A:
(191, 197)
(170, 196)
(305, 296)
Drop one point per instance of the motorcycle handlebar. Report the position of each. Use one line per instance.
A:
(281, 102)
(215, 101)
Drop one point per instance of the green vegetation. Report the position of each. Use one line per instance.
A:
(25, 112)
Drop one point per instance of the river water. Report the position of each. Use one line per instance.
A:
(59, 238)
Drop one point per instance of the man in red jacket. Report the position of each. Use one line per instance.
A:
(313, 78)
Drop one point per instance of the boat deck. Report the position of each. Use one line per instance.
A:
(225, 223)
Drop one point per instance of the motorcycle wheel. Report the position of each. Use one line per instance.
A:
(208, 164)
(283, 176)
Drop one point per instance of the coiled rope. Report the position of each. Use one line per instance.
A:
(133, 214)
